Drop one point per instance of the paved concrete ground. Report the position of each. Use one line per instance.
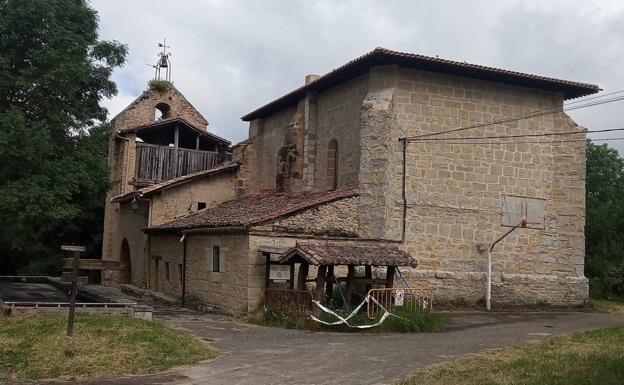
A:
(30, 292)
(259, 355)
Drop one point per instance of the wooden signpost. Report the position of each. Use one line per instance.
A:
(74, 286)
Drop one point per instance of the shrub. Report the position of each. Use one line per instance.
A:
(159, 85)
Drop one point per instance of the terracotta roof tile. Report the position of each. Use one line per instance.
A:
(341, 254)
(253, 209)
(382, 56)
(148, 190)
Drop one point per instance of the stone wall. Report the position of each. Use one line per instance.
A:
(129, 225)
(268, 139)
(181, 200)
(141, 111)
(338, 111)
(122, 154)
(454, 191)
(166, 251)
(333, 114)
(121, 159)
(226, 290)
(337, 218)
(377, 119)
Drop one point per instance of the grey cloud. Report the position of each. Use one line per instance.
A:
(230, 57)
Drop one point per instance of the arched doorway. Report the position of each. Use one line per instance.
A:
(125, 265)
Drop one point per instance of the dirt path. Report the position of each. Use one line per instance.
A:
(258, 355)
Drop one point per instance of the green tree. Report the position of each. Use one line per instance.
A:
(604, 229)
(53, 73)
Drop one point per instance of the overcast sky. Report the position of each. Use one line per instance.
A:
(230, 57)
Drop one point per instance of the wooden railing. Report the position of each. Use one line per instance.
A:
(155, 163)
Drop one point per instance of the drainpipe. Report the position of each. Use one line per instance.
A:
(183, 240)
(488, 293)
(404, 145)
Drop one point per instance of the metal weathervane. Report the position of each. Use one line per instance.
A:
(163, 65)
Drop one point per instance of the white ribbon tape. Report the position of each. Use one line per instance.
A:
(342, 320)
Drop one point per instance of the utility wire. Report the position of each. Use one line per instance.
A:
(490, 142)
(519, 117)
(593, 97)
(518, 135)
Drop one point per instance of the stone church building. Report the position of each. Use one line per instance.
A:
(343, 160)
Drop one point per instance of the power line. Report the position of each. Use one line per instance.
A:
(593, 97)
(520, 117)
(518, 135)
(490, 142)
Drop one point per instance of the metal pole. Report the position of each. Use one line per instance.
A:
(72, 298)
(488, 291)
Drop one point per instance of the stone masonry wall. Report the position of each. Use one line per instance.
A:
(454, 191)
(167, 250)
(141, 111)
(226, 290)
(129, 226)
(122, 154)
(181, 200)
(333, 114)
(338, 111)
(377, 118)
(267, 142)
(336, 218)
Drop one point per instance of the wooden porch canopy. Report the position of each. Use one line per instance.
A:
(327, 256)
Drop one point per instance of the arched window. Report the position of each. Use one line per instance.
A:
(332, 164)
(161, 111)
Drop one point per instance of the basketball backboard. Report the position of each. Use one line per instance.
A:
(516, 209)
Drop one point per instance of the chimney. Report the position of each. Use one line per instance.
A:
(310, 78)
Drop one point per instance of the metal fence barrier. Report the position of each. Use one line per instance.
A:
(23, 304)
(395, 298)
(288, 302)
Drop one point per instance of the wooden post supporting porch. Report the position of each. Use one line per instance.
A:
(329, 282)
(369, 277)
(320, 283)
(390, 270)
(302, 276)
(349, 288)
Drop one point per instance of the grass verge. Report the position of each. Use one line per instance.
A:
(607, 306)
(594, 357)
(36, 347)
(419, 321)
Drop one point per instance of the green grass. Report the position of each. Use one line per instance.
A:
(587, 358)
(418, 321)
(607, 306)
(36, 347)
(159, 85)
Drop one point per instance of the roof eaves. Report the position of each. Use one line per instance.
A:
(179, 119)
(360, 65)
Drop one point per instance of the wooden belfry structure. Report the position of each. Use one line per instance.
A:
(328, 256)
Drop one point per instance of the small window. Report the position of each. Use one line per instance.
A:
(167, 270)
(201, 205)
(180, 273)
(216, 259)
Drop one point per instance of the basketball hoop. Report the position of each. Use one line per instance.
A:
(516, 212)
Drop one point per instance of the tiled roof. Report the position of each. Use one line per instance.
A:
(146, 191)
(167, 121)
(341, 254)
(253, 209)
(382, 56)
